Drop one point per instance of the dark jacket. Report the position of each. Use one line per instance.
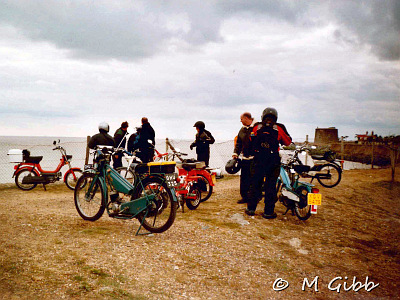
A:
(203, 140)
(265, 140)
(119, 136)
(243, 141)
(102, 138)
(146, 133)
(132, 142)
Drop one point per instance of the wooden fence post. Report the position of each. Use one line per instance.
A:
(394, 154)
(306, 151)
(87, 150)
(372, 155)
(342, 148)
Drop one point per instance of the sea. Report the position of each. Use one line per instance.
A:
(221, 152)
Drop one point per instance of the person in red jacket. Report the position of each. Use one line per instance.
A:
(265, 139)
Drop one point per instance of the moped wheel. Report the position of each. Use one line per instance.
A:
(161, 212)
(301, 208)
(205, 188)
(89, 198)
(192, 204)
(20, 176)
(126, 173)
(72, 178)
(329, 175)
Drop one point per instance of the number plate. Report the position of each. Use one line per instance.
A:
(214, 179)
(314, 199)
(170, 180)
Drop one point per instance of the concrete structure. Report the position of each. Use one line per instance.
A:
(326, 135)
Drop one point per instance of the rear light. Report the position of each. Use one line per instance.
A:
(314, 190)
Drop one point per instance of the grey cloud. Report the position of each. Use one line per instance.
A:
(128, 30)
(375, 23)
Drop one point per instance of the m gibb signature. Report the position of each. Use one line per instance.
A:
(336, 284)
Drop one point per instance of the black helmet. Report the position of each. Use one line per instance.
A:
(269, 111)
(200, 125)
(233, 165)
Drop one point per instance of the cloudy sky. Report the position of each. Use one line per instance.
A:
(65, 66)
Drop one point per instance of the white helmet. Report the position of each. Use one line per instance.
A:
(104, 126)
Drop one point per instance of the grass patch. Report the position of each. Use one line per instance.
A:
(119, 293)
(264, 236)
(277, 264)
(96, 231)
(317, 264)
(99, 273)
(83, 284)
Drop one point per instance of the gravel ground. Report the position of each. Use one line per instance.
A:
(213, 252)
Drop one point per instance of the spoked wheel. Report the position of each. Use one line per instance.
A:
(161, 212)
(20, 176)
(126, 173)
(301, 208)
(192, 204)
(72, 178)
(205, 188)
(89, 198)
(329, 175)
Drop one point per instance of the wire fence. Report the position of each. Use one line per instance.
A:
(221, 152)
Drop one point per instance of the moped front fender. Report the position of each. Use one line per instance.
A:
(69, 171)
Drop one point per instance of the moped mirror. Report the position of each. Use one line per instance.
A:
(54, 143)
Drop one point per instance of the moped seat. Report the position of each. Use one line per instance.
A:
(33, 159)
(318, 157)
(301, 168)
(189, 166)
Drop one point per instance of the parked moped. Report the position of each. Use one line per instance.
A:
(29, 173)
(206, 178)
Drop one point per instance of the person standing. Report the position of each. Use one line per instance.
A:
(145, 147)
(133, 140)
(202, 143)
(102, 138)
(120, 142)
(242, 146)
(265, 139)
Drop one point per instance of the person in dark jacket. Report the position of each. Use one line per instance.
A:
(102, 138)
(202, 143)
(242, 146)
(265, 139)
(134, 140)
(120, 142)
(145, 147)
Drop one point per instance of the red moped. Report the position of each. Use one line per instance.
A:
(193, 169)
(28, 173)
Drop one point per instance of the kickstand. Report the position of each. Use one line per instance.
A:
(44, 186)
(286, 211)
(141, 223)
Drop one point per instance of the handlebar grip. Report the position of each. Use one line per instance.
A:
(184, 154)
